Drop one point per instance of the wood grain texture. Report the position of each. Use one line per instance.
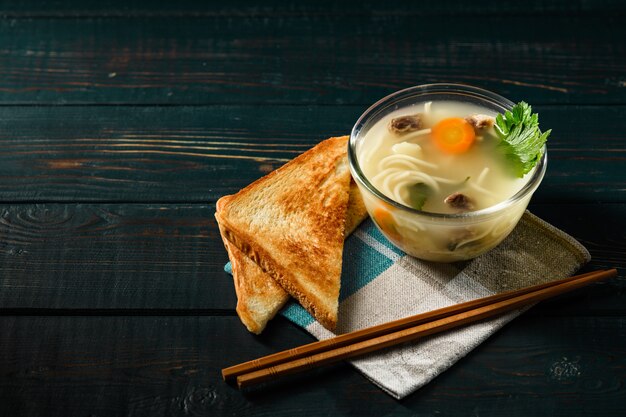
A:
(169, 366)
(308, 58)
(103, 257)
(108, 257)
(197, 154)
(121, 123)
(191, 8)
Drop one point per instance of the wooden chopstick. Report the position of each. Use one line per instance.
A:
(389, 334)
(232, 372)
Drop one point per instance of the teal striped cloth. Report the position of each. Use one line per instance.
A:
(380, 283)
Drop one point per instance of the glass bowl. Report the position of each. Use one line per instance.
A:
(434, 236)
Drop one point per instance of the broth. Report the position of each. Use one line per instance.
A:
(423, 168)
(411, 169)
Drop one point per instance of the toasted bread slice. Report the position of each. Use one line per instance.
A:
(356, 209)
(259, 296)
(291, 223)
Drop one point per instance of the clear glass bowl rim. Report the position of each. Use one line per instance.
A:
(424, 90)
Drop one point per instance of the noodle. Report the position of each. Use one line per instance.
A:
(414, 171)
(425, 178)
(481, 190)
(474, 238)
(410, 223)
(405, 160)
(416, 134)
(396, 179)
(501, 227)
(447, 181)
(386, 186)
(386, 172)
(427, 106)
(397, 196)
(369, 153)
(482, 175)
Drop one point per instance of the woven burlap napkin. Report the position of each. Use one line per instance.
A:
(380, 283)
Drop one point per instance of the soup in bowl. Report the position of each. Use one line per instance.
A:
(434, 178)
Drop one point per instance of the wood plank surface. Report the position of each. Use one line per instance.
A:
(191, 8)
(121, 123)
(170, 257)
(197, 154)
(308, 58)
(169, 366)
(112, 256)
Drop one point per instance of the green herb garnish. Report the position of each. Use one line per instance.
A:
(521, 140)
(418, 193)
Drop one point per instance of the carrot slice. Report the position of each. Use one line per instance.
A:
(454, 135)
(386, 222)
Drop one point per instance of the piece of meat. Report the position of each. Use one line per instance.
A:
(406, 124)
(459, 201)
(480, 121)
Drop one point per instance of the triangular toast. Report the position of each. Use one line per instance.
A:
(291, 223)
(259, 297)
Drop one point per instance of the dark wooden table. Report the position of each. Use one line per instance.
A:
(121, 124)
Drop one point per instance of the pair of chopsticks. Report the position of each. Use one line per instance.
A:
(389, 334)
